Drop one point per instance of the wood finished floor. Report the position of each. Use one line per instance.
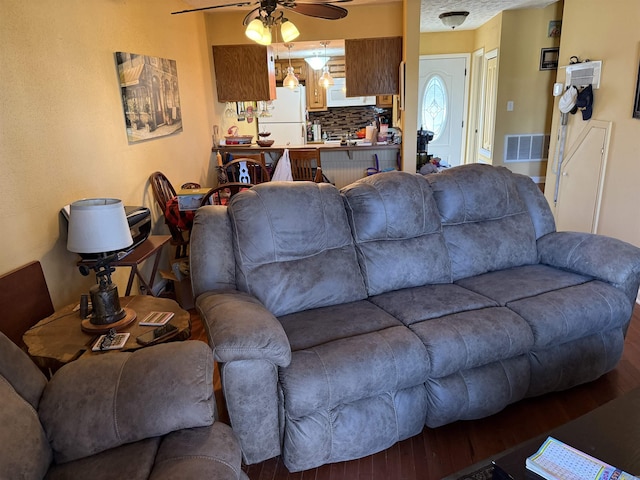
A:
(439, 452)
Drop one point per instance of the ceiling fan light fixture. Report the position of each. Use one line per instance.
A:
(316, 62)
(288, 30)
(453, 19)
(255, 30)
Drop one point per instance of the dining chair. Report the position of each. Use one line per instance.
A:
(164, 192)
(221, 194)
(24, 300)
(305, 165)
(246, 170)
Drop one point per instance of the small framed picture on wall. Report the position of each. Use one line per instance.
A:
(549, 58)
(636, 104)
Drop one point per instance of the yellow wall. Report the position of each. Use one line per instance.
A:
(62, 134)
(591, 29)
(524, 33)
(440, 43)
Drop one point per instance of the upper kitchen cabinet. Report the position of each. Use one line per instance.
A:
(299, 69)
(244, 73)
(316, 95)
(372, 66)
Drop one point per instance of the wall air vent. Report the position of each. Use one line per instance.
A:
(526, 148)
(583, 74)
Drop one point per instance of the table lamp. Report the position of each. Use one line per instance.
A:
(99, 225)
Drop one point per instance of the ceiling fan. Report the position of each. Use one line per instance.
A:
(318, 9)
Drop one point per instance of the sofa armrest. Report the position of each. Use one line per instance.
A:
(239, 327)
(598, 256)
(107, 400)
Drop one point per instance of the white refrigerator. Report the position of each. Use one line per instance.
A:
(287, 122)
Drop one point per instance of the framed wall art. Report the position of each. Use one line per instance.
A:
(150, 96)
(636, 103)
(549, 58)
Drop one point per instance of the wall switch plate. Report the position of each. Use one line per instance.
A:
(510, 106)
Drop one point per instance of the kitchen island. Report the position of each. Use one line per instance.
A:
(341, 164)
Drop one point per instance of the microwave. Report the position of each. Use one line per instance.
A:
(336, 96)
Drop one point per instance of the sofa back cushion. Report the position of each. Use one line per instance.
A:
(293, 246)
(397, 231)
(486, 224)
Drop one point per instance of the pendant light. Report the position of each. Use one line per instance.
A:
(326, 80)
(290, 81)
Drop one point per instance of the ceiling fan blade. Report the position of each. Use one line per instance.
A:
(238, 4)
(318, 10)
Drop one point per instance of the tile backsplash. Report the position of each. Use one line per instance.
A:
(338, 121)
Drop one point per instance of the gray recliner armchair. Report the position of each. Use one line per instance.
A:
(149, 414)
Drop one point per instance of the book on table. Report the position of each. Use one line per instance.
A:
(556, 460)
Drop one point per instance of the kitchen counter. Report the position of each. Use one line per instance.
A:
(341, 164)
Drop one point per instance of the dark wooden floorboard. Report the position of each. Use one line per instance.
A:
(439, 452)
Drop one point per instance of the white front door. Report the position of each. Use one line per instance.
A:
(442, 97)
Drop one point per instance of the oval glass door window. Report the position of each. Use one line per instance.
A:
(434, 106)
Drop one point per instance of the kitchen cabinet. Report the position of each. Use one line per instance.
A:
(244, 73)
(299, 69)
(336, 67)
(372, 66)
(316, 95)
(384, 101)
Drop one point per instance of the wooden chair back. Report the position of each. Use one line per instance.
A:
(248, 171)
(221, 194)
(305, 165)
(24, 301)
(163, 191)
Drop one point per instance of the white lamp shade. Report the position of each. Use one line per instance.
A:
(98, 225)
(316, 62)
(289, 31)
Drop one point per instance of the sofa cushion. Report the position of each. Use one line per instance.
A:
(574, 312)
(522, 282)
(121, 385)
(19, 370)
(412, 305)
(397, 231)
(486, 225)
(133, 461)
(327, 324)
(293, 246)
(353, 368)
(466, 340)
(25, 451)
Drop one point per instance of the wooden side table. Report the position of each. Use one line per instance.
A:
(152, 246)
(58, 339)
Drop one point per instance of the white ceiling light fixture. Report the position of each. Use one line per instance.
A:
(290, 80)
(453, 19)
(326, 80)
(316, 62)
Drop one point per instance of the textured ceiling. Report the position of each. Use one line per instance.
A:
(480, 11)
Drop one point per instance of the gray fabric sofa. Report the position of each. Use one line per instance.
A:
(345, 321)
(143, 415)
